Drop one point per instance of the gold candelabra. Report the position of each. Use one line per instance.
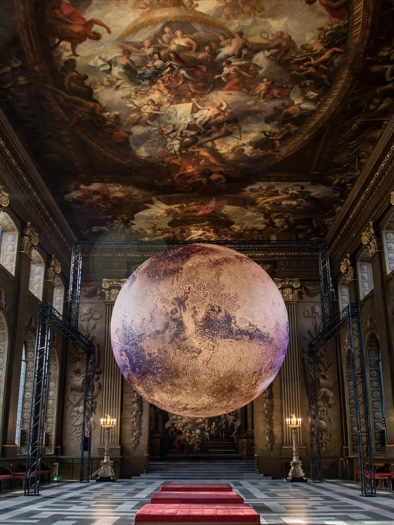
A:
(106, 471)
(296, 473)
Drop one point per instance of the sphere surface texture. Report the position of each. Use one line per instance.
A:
(199, 330)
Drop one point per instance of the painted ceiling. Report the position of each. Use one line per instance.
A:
(186, 120)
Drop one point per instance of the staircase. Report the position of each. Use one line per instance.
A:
(206, 470)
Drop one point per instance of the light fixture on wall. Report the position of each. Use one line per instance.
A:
(296, 473)
(106, 471)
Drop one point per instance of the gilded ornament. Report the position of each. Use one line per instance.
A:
(29, 240)
(369, 238)
(4, 198)
(54, 269)
(289, 288)
(111, 288)
(347, 269)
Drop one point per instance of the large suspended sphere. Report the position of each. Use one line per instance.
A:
(199, 330)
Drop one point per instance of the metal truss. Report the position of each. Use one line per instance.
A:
(325, 286)
(48, 318)
(364, 438)
(313, 412)
(264, 249)
(74, 290)
(351, 317)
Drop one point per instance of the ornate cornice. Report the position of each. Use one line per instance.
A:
(372, 192)
(24, 180)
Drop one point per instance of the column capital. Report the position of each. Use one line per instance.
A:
(289, 288)
(29, 239)
(111, 288)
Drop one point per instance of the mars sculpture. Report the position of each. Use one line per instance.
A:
(199, 330)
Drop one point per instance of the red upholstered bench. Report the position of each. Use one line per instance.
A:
(5, 475)
(196, 513)
(382, 477)
(197, 487)
(196, 497)
(20, 473)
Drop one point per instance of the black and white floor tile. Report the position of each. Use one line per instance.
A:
(277, 502)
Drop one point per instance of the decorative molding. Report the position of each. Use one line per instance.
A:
(370, 239)
(392, 198)
(289, 288)
(370, 193)
(23, 177)
(31, 324)
(111, 288)
(346, 268)
(55, 268)
(136, 419)
(370, 325)
(268, 413)
(3, 301)
(29, 239)
(4, 198)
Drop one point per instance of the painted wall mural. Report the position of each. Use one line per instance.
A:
(172, 118)
(186, 435)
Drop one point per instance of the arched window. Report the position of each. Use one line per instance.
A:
(343, 294)
(8, 242)
(37, 274)
(388, 244)
(58, 295)
(364, 274)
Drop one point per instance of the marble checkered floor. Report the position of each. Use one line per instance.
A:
(277, 502)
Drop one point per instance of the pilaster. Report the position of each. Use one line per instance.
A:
(291, 368)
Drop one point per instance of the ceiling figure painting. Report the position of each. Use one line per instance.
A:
(177, 119)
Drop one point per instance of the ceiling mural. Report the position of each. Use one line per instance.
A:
(179, 119)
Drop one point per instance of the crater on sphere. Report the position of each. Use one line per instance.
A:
(199, 330)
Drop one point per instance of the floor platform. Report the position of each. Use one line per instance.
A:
(197, 497)
(277, 502)
(207, 487)
(199, 514)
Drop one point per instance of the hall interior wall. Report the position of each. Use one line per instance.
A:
(130, 445)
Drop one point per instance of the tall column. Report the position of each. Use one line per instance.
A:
(291, 368)
(373, 243)
(29, 240)
(249, 418)
(112, 376)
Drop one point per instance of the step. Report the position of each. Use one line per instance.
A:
(202, 470)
